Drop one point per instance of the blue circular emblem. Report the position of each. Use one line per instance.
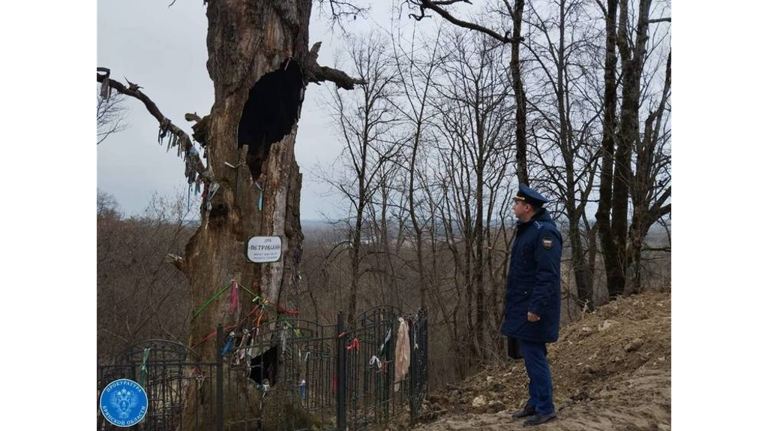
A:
(123, 403)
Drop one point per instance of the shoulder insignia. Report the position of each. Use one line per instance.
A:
(538, 225)
(547, 242)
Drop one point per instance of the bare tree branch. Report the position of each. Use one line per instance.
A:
(134, 90)
(110, 116)
(435, 6)
(317, 74)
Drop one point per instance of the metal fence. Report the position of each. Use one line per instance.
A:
(291, 374)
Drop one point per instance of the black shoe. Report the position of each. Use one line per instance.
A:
(524, 413)
(539, 419)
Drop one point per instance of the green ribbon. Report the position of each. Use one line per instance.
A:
(143, 368)
(209, 301)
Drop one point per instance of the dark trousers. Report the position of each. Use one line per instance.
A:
(540, 386)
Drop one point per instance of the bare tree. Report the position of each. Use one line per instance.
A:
(475, 127)
(617, 173)
(651, 187)
(364, 120)
(515, 14)
(139, 295)
(608, 149)
(110, 116)
(566, 123)
(416, 77)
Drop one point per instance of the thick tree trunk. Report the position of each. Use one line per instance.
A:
(603, 215)
(517, 81)
(260, 64)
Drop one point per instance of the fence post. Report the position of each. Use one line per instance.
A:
(425, 346)
(413, 369)
(219, 379)
(341, 378)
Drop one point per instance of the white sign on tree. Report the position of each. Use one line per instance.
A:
(264, 249)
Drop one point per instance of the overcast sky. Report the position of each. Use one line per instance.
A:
(164, 50)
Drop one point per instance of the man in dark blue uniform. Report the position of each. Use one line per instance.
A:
(532, 307)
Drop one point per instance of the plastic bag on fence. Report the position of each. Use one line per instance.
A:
(402, 353)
